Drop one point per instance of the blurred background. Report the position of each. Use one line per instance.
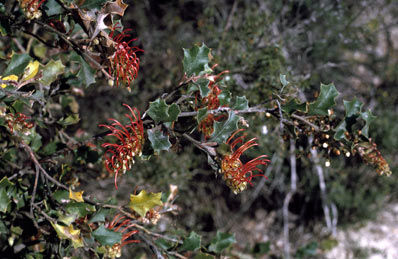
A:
(353, 44)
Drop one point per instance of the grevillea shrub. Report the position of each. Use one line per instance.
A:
(55, 196)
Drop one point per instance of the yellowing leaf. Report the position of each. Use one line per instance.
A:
(144, 201)
(9, 78)
(31, 70)
(77, 196)
(69, 233)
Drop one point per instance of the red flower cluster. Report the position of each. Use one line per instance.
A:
(211, 102)
(121, 225)
(234, 172)
(120, 156)
(17, 122)
(124, 62)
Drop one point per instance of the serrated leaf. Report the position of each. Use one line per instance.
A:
(225, 98)
(76, 196)
(107, 237)
(221, 242)
(80, 209)
(99, 216)
(293, 106)
(51, 7)
(17, 64)
(160, 111)
(144, 201)
(191, 243)
(86, 73)
(325, 100)
(69, 233)
(224, 129)
(196, 60)
(158, 140)
(31, 70)
(368, 117)
(340, 131)
(352, 108)
(51, 71)
(202, 114)
(203, 85)
(241, 103)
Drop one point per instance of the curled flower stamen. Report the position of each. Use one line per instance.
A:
(235, 173)
(120, 156)
(124, 61)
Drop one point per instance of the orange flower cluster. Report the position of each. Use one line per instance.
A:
(121, 225)
(124, 62)
(17, 122)
(120, 156)
(234, 172)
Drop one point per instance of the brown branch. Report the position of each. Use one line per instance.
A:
(302, 119)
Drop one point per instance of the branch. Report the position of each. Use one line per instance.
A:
(226, 109)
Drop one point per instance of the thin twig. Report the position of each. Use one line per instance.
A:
(302, 119)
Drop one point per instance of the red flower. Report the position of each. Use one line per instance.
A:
(17, 122)
(124, 62)
(234, 172)
(120, 156)
(121, 225)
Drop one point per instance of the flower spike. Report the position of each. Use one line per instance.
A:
(120, 156)
(234, 172)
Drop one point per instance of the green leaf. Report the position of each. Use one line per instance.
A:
(40, 50)
(352, 108)
(160, 111)
(262, 248)
(61, 196)
(158, 140)
(368, 117)
(92, 4)
(283, 80)
(201, 255)
(4, 200)
(144, 201)
(51, 71)
(107, 237)
(293, 106)
(51, 7)
(191, 243)
(17, 64)
(99, 216)
(325, 100)
(86, 73)
(340, 131)
(221, 242)
(203, 85)
(241, 103)
(49, 149)
(225, 98)
(224, 129)
(163, 243)
(80, 209)
(202, 114)
(196, 60)
(70, 120)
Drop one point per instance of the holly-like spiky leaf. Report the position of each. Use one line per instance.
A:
(325, 100)
(241, 103)
(283, 80)
(368, 117)
(17, 64)
(293, 106)
(202, 114)
(340, 131)
(221, 242)
(76, 196)
(160, 111)
(80, 209)
(224, 129)
(144, 201)
(191, 243)
(158, 140)
(203, 85)
(69, 233)
(196, 60)
(352, 108)
(117, 7)
(225, 98)
(86, 73)
(107, 237)
(51, 71)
